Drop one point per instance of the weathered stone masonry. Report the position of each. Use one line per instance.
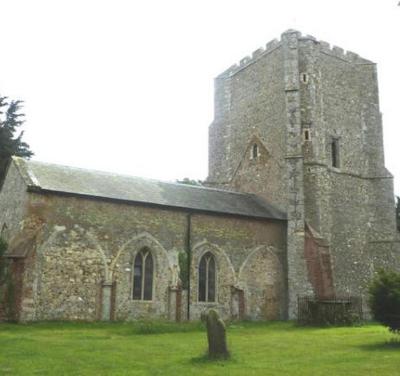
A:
(295, 98)
(304, 205)
(77, 254)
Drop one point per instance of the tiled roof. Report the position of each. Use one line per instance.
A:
(47, 177)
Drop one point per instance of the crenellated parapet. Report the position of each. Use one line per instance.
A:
(271, 46)
(248, 60)
(340, 53)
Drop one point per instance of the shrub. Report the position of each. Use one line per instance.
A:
(183, 269)
(7, 287)
(161, 327)
(384, 299)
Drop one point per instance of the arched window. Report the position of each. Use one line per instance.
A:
(254, 151)
(207, 278)
(143, 276)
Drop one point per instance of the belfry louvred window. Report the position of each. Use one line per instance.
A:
(143, 276)
(207, 278)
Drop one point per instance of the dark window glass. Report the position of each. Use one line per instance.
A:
(254, 151)
(143, 276)
(137, 276)
(207, 278)
(202, 279)
(335, 152)
(211, 280)
(148, 278)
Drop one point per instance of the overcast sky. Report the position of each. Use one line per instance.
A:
(127, 86)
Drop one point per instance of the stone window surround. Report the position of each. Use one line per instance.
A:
(254, 151)
(304, 78)
(143, 301)
(208, 303)
(307, 134)
(334, 150)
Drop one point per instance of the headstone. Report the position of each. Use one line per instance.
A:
(216, 335)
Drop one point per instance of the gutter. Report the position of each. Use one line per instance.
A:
(38, 189)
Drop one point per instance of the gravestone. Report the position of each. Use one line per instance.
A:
(216, 335)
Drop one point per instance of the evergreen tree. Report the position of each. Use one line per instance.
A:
(11, 142)
(384, 299)
(188, 181)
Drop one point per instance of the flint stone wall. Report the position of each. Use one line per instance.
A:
(249, 103)
(83, 245)
(350, 206)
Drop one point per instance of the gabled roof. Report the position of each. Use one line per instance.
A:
(51, 178)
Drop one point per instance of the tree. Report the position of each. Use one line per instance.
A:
(11, 142)
(398, 212)
(384, 299)
(188, 181)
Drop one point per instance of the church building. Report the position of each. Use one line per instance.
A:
(298, 202)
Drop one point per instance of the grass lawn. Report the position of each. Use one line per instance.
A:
(279, 348)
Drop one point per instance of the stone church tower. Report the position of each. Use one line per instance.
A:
(297, 134)
(298, 123)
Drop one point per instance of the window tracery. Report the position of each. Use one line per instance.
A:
(207, 278)
(143, 275)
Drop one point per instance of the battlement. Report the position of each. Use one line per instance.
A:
(248, 60)
(340, 53)
(325, 48)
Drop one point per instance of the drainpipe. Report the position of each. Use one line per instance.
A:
(188, 249)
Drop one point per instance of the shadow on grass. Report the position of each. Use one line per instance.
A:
(301, 325)
(144, 327)
(205, 359)
(123, 328)
(391, 345)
